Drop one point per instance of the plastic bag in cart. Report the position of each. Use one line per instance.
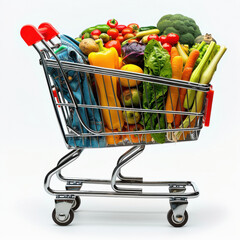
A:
(83, 94)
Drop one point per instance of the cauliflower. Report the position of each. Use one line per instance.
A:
(184, 26)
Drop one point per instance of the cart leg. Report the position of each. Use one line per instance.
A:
(123, 160)
(66, 160)
(177, 215)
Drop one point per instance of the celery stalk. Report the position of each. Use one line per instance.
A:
(195, 77)
(206, 77)
(209, 71)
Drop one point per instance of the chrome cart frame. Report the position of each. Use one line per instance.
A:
(68, 199)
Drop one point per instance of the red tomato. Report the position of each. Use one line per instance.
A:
(153, 36)
(167, 46)
(96, 32)
(133, 26)
(120, 27)
(120, 38)
(162, 39)
(172, 38)
(113, 32)
(114, 43)
(128, 35)
(126, 30)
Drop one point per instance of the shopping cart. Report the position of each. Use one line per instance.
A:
(68, 200)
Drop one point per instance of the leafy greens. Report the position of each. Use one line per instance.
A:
(157, 63)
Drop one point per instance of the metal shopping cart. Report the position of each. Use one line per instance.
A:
(68, 109)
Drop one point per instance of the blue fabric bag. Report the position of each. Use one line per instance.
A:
(83, 94)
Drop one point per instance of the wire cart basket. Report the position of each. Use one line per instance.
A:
(69, 110)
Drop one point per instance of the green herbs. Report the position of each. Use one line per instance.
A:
(156, 62)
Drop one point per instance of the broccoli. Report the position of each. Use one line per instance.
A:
(185, 27)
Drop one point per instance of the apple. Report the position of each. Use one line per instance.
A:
(130, 117)
(131, 96)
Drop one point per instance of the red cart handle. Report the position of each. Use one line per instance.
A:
(208, 107)
(31, 35)
(55, 95)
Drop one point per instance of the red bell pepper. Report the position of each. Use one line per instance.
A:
(114, 43)
(112, 23)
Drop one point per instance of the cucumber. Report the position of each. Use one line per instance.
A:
(141, 29)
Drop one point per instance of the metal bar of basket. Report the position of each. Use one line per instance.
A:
(129, 75)
(132, 109)
(133, 132)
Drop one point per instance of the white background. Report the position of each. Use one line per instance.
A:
(31, 143)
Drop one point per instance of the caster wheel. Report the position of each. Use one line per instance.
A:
(175, 223)
(76, 203)
(64, 222)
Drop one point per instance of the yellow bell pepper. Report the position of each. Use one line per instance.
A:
(107, 58)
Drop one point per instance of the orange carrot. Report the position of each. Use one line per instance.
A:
(172, 97)
(187, 71)
(192, 59)
(185, 76)
(174, 53)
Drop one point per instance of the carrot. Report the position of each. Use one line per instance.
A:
(192, 59)
(185, 76)
(187, 71)
(174, 53)
(172, 97)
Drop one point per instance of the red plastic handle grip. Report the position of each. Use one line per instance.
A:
(31, 35)
(48, 31)
(55, 95)
(208, 108)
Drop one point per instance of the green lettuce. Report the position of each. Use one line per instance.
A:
(157, 63)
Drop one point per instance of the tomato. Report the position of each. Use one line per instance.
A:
(153, 36)
(114, 43)
(172, 38)
(128, 35)
(162, 39)
(113, 32)
(167, 46)
(126, 30)
(120, 27)
(133, 26)
(96, 32)
(132, 40)
(120, 38)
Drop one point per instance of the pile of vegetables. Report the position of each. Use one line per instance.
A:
(174, 48)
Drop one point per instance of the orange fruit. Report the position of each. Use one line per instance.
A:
(130, 68)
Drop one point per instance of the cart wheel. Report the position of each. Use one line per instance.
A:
(76, 203)
(175, 223)
(63, 222)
